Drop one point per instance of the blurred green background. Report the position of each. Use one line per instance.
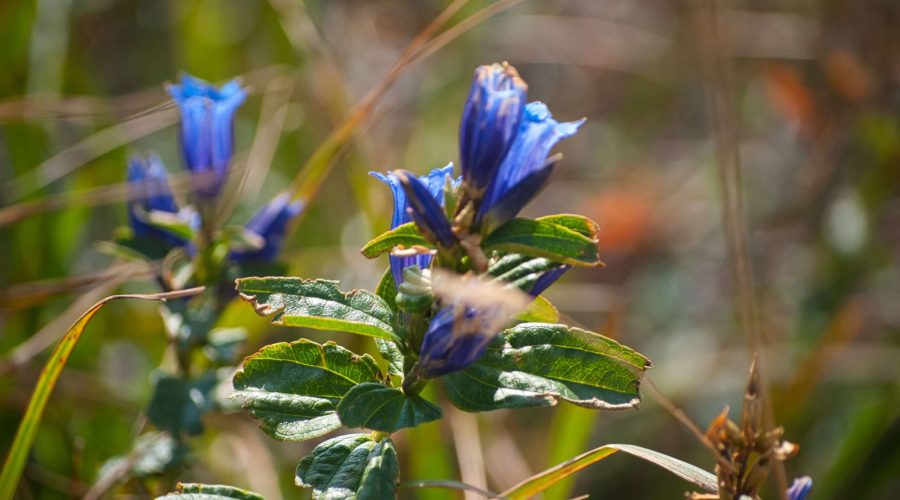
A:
(816, 90)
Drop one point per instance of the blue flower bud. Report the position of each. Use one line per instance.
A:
(800, 489)
(448, 346)
(425, 210)
(434, 182)
(149, 190)
(270, 223)
(526, 168)
(489, 123)
(207, 129)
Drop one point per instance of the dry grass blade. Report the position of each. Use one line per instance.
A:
(75, 108)
(720, 95)
(27, 294)
(104, 141)
(540, 482)
(112, 193)
(249, 181)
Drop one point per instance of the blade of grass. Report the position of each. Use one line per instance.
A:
(450, 485)
(570, 430)
(540, 482)
(27, 431)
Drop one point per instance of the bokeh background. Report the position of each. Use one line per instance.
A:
(812, 98)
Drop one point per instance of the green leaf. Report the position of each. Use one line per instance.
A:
(405, 236)
(544, 239)
(540, 311)
(126, 245)
(152, 454)
(196, 491)
(382, 408)
(294, 388)
(353, 466)
(171, 223)
(239, 238)
(318, 304)
(577, 223)
(387, 289)
(521, 271)
(25, 434)
(537, 364)
(178, 404)
(391, 352)
(224, 345)
(540, 482)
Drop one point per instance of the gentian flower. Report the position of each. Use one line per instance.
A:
(149, 190)
(270, 223)
(490, 122)
(425, 210)
(525, 169)
(446, 348)
(434, 185)
(800, 489)
(207, 129)
(473, 313)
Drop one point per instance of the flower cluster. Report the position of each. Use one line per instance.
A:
(207, 146)
(505, 160)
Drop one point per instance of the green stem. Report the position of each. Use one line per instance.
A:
(413, 383)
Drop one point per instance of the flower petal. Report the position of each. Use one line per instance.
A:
(434, 181)
(537, 135)
(149, 190)
(445, 350)
(270, 222)
(207, 129)
(490, 122)
(425, 210)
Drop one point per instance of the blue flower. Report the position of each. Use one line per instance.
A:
(270, 223)
(425, 210)
(473, 311)
(207, 129)
(489, 124)
(434, 183)
(149, 190)
(800, 489)
(526, 168)
(449, 347)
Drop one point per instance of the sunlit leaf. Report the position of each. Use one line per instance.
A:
(382, 408)
(387, 289)
(318, 304)
(540, 311)
(521, 271)
(544, 239)
(578, 223)
(537, 364)
(353, 466)
(405, 236)
(294, 388)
